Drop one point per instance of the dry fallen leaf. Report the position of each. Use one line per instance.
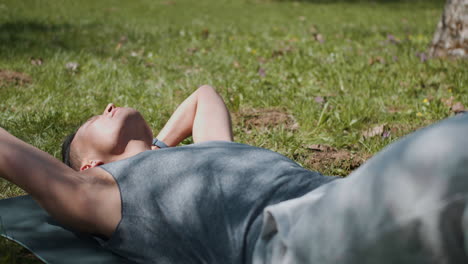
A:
(447, 102)
(375, 60)
(313, 30)
(261, 72)
(282, 51)
(294, 126)
(37, 61)
(318, 37)
(458, 108)
(149, 65)
(320, 147)
(277, 53)
(422, 56)
(262, 60)
(393, 109)
(375, 131)
(205, 33)
(319, 100)
(192, 50)
(392, 39)
(122, 41)
(72, 66)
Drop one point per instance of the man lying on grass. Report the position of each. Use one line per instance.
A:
(217, 201)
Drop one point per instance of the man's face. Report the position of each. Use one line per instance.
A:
(108, 134)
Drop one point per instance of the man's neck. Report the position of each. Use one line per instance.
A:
(133, 148)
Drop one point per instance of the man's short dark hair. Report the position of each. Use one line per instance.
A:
(68, 158)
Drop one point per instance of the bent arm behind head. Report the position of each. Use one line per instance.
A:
(203, 115)
(57, 188)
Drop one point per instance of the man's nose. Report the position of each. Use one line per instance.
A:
(109, 108)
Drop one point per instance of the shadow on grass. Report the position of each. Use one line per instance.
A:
(36, 38)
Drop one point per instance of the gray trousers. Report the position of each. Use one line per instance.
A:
(408, 204)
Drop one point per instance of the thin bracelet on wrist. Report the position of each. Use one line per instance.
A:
(158, 143)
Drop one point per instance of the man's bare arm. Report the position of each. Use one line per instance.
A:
(202, 115)
(60, 190)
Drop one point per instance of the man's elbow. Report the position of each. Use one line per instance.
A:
(206, 89)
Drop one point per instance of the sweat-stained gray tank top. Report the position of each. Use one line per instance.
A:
(201, 203)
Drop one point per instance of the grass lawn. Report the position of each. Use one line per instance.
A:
(326, 83)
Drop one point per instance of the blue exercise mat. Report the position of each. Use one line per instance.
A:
(23, 221)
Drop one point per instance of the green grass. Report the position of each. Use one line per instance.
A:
(168, 48)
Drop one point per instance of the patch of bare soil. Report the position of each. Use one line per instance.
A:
(323, 157)
(13, 78)
(262, 118)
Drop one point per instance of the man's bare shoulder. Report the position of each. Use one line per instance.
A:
(104, 201)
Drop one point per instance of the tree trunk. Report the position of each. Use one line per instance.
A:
(451, 37)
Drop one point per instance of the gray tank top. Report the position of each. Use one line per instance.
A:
(200, 203)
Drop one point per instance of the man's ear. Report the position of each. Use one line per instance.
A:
(91, 164)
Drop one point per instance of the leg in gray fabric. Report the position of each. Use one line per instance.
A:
(406, 205)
